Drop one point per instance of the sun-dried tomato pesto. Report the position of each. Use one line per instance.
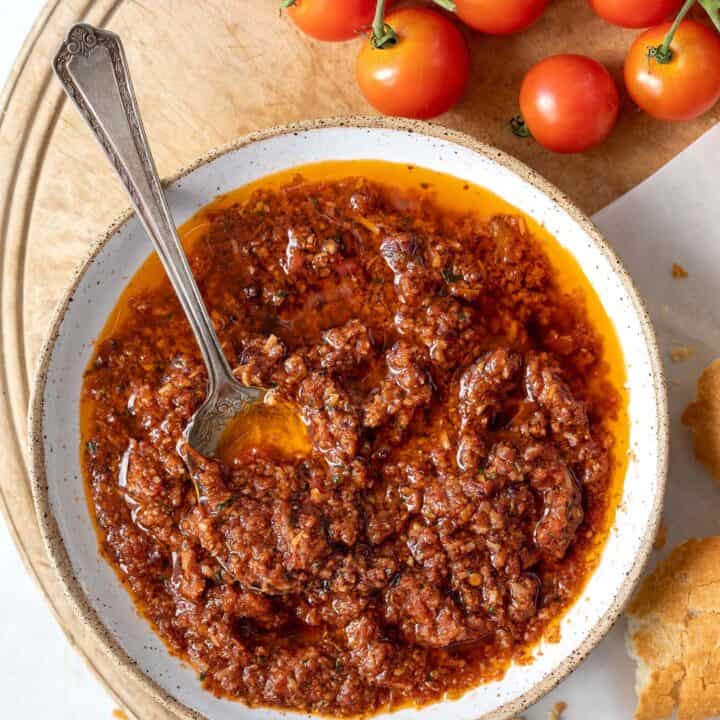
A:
(458, 408)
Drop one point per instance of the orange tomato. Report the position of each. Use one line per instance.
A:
(569, 102)
(686, 86)
(635, 13)
(424, 74)
(500, 18)
(332, 20)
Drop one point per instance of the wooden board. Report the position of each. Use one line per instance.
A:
(205, 73)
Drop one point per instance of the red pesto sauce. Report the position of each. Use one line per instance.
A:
(448, 482)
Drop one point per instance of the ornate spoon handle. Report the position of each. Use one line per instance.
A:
(92, 67)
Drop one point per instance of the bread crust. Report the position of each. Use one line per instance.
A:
(703, 418)
(674, 635)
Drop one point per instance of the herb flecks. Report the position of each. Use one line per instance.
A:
(225, 504)
(449, 275)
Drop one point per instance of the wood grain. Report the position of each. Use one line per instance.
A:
(206, 73)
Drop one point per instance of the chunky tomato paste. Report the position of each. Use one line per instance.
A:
(441, 497)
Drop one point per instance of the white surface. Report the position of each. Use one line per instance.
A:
(31, 643)
(672, 217)
(105, 278)
(648, 227)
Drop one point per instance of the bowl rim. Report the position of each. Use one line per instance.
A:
(50, 532)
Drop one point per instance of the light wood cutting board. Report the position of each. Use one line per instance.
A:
(205, 72)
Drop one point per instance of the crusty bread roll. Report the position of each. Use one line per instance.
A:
(703, 418)
(674, 635)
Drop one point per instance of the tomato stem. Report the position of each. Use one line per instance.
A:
(663, 54)
(448, 5)
(382, 36)
(712, 8)
(284, 4)
(519, 127)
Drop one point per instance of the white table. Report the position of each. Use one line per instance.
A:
(31, 643)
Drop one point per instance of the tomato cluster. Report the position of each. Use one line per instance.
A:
(415, 62)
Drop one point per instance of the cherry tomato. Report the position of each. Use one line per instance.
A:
(332, 19)
(569, 102)
(500, 18)
(424, 74)
(684, 87)
(636, 13)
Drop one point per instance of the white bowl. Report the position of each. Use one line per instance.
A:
(102, 603)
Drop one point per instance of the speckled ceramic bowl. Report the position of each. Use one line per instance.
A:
(98, 596)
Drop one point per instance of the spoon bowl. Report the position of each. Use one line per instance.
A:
(211, 423)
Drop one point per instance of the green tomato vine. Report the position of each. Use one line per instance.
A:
(663, 54)
(383, 36)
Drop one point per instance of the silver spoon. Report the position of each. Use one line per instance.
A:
(92, 67)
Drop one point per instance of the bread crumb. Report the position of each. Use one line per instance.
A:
(703, 418)
(557, 712)
(678, 271)
(682, 353)
(674, 635)
(661, 537)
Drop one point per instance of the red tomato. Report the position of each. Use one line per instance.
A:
(500, 18)
(569, 102)
(636, 13)
(687, 85)
(332, 19)
(424, 74)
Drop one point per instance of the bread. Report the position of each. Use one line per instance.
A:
(674, 635)
(703, 418)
